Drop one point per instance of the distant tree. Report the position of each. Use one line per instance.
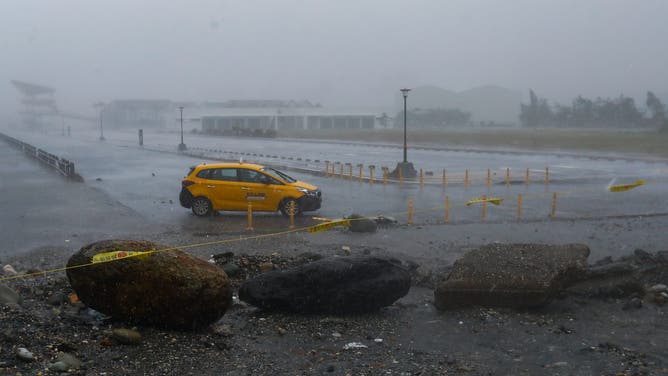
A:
(656, 108)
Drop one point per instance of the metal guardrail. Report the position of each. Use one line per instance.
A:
(62, 165)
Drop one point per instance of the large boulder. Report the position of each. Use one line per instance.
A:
(511, 275)
(359, 223)
(8, 295)
(169, 288)
(333, 285)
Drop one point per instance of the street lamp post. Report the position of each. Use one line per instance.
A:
(182, 146)
(405, 168)
(404, 92)
(101, 126)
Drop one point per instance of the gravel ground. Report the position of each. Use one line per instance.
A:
(573, 335)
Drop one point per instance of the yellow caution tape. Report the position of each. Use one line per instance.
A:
(116, 255)
(626, 187)
(329, 225)
(495, 201)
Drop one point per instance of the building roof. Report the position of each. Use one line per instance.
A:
(32, 89)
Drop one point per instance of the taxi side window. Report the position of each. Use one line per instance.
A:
(224, 174)
(204, 174)
(252, 176)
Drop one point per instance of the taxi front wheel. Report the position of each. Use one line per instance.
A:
(201, 206)
(286, 207)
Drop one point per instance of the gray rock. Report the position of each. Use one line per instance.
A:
(126, 336)
(359, 223)
(167, 289)
(511, 275)
(332, 285)
(8, 295)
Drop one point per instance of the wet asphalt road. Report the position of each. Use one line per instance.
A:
(129, 190)
(148, 181)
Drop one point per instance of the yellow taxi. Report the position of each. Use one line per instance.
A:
(230, 186)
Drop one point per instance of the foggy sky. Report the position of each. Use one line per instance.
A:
(340, 53)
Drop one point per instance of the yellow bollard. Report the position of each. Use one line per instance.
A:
(466, 179)
(489, 178)
(484, 209)
(519, 207)
(341, 172)
(507, 177)
(401, 178)
(326, 168)
(527, 178)
(547, 176)
(410, 211)
(292, 214)
(447, 209)
(554, 205)
(421, 179)
(384, 175)
(360, 176)
(371, 168)
(445, 182)
(350, 171)
(250, 217)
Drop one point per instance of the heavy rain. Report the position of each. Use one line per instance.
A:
(344, 188)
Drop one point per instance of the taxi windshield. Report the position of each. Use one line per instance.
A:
(280, 174)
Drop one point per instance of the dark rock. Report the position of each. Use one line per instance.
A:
(168, 288)
(57, 298)
(231, 269)
(331, 285)
(362, 224)
(511, 275)
(622, 277)
(634, 303)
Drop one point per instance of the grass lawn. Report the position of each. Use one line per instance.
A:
(642, 142)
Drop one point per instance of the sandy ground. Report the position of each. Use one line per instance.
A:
(572, 336)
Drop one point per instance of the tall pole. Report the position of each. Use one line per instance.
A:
(101, 127)
(181, 109)
(404, 92)
(182, 146)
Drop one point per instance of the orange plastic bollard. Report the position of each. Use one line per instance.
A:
(384, 175)
(519, 207)
(547, 175)
(326, 168)
(410, 211)
(371, 168)
(292, 214)
(447, 209)
(421, 179)
(554, 205)
(527, 178)
(250, 217)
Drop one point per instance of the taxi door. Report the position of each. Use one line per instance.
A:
(263, 191)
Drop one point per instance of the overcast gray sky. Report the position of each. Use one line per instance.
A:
(341, 53)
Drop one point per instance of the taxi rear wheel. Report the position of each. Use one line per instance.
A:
(286, 207)
(201, 206)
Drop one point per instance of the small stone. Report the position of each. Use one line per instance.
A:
(378, 340)
(59, 366)
(661, 299)
(346, 250)
(281, 331)
(354, 345)
(634, 303)
(25, 355)
(336, 335)
(558, 364)
(57, 298)
(266, 267)
(9, 270)
(70, 360)
(106, 342)
(126, 336)
(658, 288)
(223, 330)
